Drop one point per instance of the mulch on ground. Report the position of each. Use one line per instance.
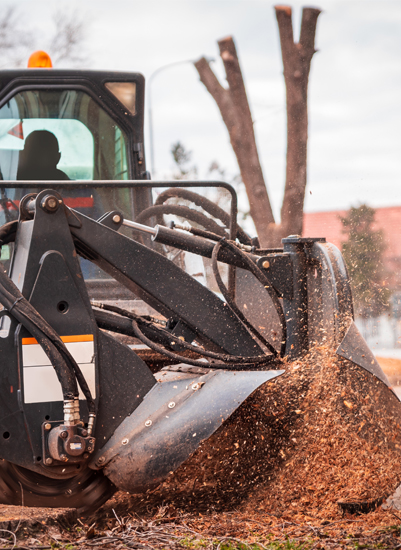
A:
(324, 433)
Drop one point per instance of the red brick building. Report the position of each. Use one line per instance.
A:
(328, 224)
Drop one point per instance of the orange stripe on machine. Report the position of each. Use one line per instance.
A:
(74, 338)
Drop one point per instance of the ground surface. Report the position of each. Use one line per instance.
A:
(293, 468)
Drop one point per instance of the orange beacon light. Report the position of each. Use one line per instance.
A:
(40, 60)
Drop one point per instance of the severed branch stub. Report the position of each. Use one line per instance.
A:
(234, 108)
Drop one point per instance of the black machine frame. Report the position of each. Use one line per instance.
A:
(135, 424)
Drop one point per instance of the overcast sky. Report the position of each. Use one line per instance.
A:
(354, 152)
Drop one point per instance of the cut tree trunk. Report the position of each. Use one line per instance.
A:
(297, 59)
(234, 108)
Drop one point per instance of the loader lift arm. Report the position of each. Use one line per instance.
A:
(46, 270)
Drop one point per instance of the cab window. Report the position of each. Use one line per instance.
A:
(60, 135)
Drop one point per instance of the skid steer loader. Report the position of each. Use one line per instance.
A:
(136, 315)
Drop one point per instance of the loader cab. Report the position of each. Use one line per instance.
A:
(83, 131)
(75, 126)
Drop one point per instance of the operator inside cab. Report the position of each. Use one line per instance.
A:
(39, 158)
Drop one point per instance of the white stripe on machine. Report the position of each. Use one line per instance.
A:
(41, 384)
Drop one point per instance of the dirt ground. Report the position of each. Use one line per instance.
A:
(306, 462)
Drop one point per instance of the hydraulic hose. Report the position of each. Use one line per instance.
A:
(183, 212)
(165, 337)
(21, 309)
(160, 349)
(67, 370)
(237, 255)
(258, 273)
(8, 232)
(207, 205)
(231, 303)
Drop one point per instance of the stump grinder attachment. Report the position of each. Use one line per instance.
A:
(126, 344)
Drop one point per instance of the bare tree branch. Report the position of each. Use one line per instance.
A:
(66, 45)
(308, 29)
(17, 41)
(7, 37)
(14, 38)
(234, 108)
(220, 95)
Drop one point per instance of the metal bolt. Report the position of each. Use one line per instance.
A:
(84, 433)
(171, 405)
(68, 492)
(86, 455)
(125, 441)
(89, 449)
(266, 264)
(64, 458)
(48, 426)
(91, 441)
(148, 423)
(50, 203)
(49, 461)
(64, 435)
(100, 460)
(116, 218)
(195, 386)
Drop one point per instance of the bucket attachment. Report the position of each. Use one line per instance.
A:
(179, 412)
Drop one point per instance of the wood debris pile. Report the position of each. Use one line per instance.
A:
(348, 443)
(324, 431)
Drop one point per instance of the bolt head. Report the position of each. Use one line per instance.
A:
(49, 461)
(84, 433)
(48, 426)
(266, 264)
(148, 423)
(171, 405)
(64, 435)
(100, 460)
(50, 203)
(125, 441)
(64, 458)
(116, 218)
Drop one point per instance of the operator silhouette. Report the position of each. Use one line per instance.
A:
(39, 158)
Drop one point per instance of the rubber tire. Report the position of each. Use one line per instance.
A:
(86, 492)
